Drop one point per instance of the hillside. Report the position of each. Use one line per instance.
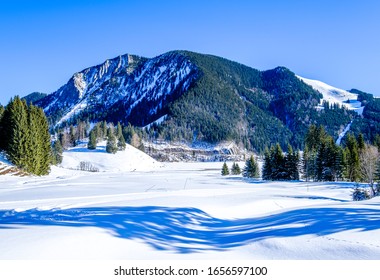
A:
(131, 159)
(202, 97)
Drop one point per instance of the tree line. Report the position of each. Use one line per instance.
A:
(116, 137)
(321, 160)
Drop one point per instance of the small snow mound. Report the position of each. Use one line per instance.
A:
(131, 159)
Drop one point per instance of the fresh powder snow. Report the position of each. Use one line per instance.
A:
(137, 208)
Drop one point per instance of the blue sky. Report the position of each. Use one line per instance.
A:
(44, 42)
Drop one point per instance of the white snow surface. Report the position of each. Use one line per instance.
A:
(178, 211)
(335, 95)
(131, 159)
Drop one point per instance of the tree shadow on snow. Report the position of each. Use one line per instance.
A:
(187, 230)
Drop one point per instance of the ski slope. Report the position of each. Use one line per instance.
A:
(178, 211)
(335, 95)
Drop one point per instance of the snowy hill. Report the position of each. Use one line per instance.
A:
(336, 95)
(182, 211)
(131, 159)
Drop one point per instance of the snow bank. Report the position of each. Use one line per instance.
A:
(131, 159)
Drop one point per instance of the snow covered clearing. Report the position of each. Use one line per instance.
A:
(336, 95)
(178, 211)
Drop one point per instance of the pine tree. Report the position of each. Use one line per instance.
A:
(291, 164)
(306, 163)
(57, 152)
(128, 133)
(103, 130)
(360, 141)
(111, 144)
(44, 138)
(251, 169)
(278, 164)
(352, 158)
(92, 141)
(16, 132)
(340, 163)
(119, 131)
(34, 151)
(225, 170)
(267, 168)
(121, 145)
(235, 170)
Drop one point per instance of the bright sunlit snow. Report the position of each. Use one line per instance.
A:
(336, 95)
(136, 208)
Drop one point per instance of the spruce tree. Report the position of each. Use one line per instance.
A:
(291, 164)
(128, 133)
(57, 152)
(306, 163)
(340, 163)
(235, 170)
(251, 169)
(119, 131)
(278, 163)
(34, 151)
(225, 170)
(267, 167)
(92, 139)
(111, 146)
(44, 138)
(352, 159)
(16, 132)
(104, 130)
(121, 145)
(361, 144)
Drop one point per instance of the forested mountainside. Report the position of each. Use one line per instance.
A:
(197, 97)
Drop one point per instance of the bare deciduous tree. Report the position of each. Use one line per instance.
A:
(369, 157)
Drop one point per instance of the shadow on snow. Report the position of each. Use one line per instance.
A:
(186, 230)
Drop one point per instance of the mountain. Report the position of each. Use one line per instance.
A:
(197, 97)
(34, 97)
(126, 88)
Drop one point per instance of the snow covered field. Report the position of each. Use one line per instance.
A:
(179, 211)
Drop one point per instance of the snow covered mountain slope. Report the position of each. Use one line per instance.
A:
(335, 95)
(122, 86)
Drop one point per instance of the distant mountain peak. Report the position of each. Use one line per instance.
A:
(203, 98)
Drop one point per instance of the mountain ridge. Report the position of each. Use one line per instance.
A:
(204, 98)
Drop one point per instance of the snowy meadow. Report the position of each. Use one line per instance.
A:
(137, 208)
